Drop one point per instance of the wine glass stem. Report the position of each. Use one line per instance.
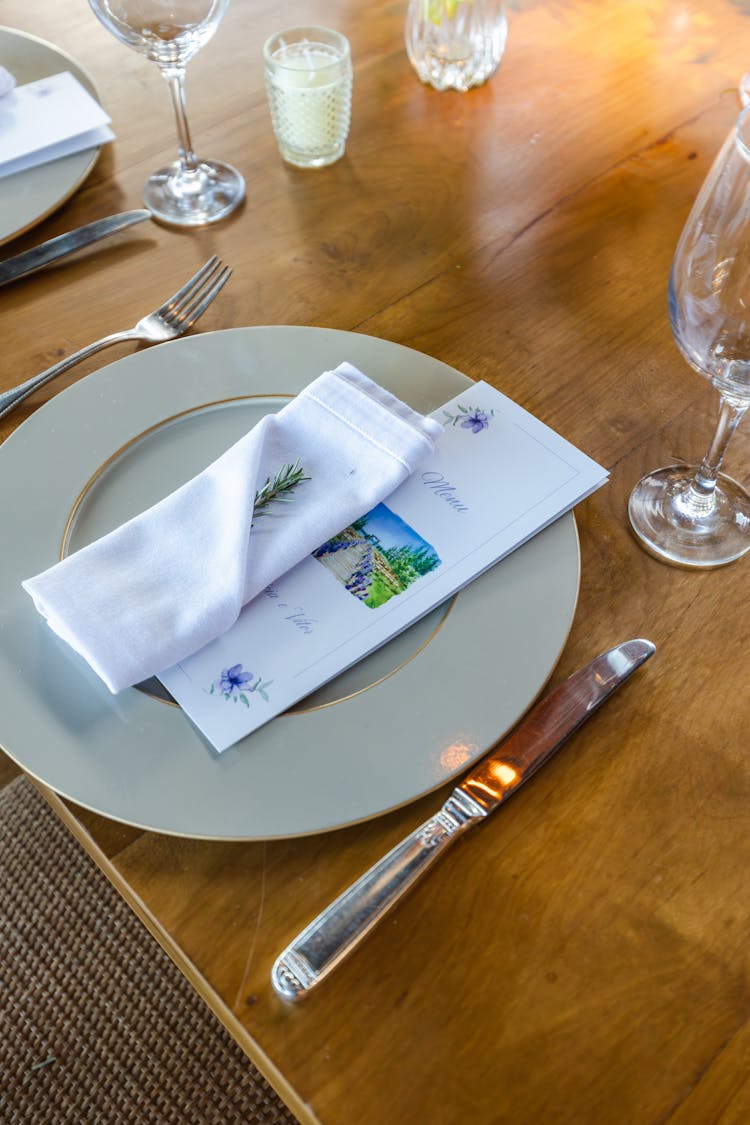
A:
(729, 418)
(175, 79)
(700, 496)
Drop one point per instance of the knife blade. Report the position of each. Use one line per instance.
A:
(30, 260)
(339, 929)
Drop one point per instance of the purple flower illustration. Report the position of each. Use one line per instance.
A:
(470, 417)
(233, 680)
(236, 684)
(476, 421)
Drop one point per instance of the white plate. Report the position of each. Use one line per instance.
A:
(28, 197)
(409, 718)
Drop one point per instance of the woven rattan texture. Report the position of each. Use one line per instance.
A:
(96, 1023)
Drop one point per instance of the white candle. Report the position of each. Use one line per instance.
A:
(309, 91)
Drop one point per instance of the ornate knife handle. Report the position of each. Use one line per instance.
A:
(335, 932)
(342, 925)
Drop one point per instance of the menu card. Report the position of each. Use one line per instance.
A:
(497, 477)
(47, 119)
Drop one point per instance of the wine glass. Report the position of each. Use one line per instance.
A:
(696, 516)
(189, 192)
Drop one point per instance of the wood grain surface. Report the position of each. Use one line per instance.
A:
(583, 957)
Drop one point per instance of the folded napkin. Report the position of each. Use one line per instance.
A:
(167, 582)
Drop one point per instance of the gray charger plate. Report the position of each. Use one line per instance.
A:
(402, 722)
(28, 197)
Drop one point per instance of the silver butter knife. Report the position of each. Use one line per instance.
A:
(339, 929)
(30, 260)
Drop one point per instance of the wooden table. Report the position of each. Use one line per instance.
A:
(583, 957)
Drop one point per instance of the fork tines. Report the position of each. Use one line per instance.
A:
(189, 302)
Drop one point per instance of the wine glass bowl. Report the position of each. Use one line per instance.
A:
(189, 191)
(695, 515)
(169, 34)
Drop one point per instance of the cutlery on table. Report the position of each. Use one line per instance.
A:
(340, 927)
(172, 319)
(54, 248)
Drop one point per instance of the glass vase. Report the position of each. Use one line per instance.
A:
(455, 44)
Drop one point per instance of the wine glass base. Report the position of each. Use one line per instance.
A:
(194, 198)
(679, 525)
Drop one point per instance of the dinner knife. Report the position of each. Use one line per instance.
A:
(340, 928)
(30, 260)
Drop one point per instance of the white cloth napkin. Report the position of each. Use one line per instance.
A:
(167, 582)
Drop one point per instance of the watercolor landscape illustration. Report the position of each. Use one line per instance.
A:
(377, 557)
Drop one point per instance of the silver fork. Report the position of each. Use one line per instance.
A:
(170, 320)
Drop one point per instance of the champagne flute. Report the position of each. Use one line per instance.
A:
(696, 516)
(188, 192)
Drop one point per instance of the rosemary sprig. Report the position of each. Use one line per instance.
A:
(279, 487)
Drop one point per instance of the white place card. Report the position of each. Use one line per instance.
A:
(47, 119)
(497, 477)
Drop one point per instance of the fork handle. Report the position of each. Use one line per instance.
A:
(9, 400)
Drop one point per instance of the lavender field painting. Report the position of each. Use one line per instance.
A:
(377, 557)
